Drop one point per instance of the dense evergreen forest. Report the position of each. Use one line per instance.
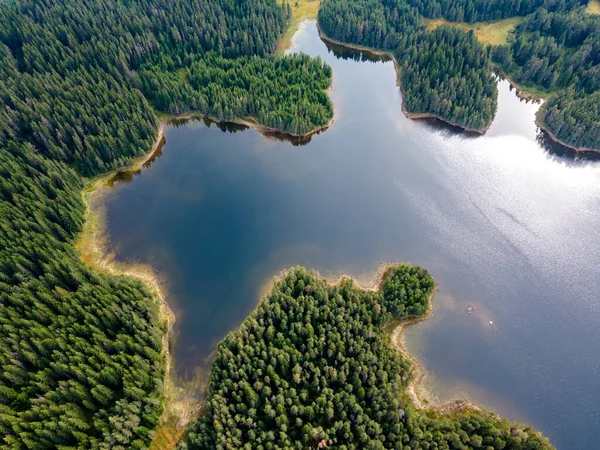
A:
(444, 72)
(80, 352)
(487, 10)
(71, 70)
(313, 368)
(287, 93)
(560, 53)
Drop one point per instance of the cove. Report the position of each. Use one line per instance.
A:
(508, 229)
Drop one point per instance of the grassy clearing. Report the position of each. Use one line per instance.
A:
(526, 92)
(182, 404)
(492, 33)
(301, 10)
(593, 7)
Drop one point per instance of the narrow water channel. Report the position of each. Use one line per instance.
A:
(509, 230)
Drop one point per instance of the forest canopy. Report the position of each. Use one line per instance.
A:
(76, 76)
(286, 93)
(488, 10)
(81, 352)
(313, 368)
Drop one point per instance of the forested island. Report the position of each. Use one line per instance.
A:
(446, 72)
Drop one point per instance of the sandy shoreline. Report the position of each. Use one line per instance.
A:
(415, 389)
(179, 407)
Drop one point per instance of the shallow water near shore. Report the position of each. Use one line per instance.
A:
(508, 227)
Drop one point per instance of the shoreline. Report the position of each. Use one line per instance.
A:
(249, 122)
(384, 53)
(583, 150)
(265, 130)
(97, 257)
(302, 11)
(524, 93)
(419, 395)
(178, 406)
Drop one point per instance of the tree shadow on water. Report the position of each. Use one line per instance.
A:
(565, 154)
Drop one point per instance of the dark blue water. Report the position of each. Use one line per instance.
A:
(502, 224)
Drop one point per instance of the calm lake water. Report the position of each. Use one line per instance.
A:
(504, 226)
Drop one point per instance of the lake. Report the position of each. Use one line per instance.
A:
(508, 226)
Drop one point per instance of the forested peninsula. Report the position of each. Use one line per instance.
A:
(313, 368)
(444, 73)
(447, 73)
(558, 54)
